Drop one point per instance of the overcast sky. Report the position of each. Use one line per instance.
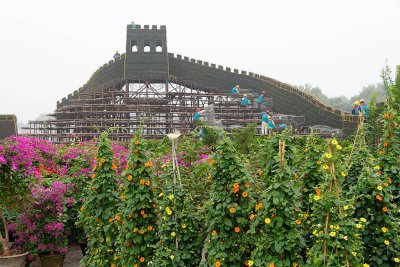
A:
(50, 48)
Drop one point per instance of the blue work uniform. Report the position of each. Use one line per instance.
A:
(245, 101)
(271, 125)
(364, 110)
(264, 117)
(260, 99)
(282, 126)
(196, 116)
(234, 90)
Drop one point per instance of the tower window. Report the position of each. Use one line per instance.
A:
(159, 46)
(146, 46)
(134, 46)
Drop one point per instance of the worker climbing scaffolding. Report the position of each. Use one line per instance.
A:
(196, 117)
(235, 90)
(260, 100)
(117, 55)
(363, 110)
(245, 101)
(354, 109)
(264, 123)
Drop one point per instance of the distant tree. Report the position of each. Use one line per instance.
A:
(342, 102)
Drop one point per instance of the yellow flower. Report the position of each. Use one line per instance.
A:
(333, 234)
(172, 257)
(325, 166)
(363, 219)
(316, 198)
(337, 227)
(171, 197)
(386, 242)
(267, 220)
(318, 162)
(183, 226)
(250, 263)
(377, 167)
(384, 229)
(343, 174)
(295, 264)
(354, 253)
(328, 155)
(315, 232)
(334, 142)
(358, 225)
(339, 147)
(173, 234)
(379, 188)
(396, 259)
(365, 265)
(345, 207)
(168, 210)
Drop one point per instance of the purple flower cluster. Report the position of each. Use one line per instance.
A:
(25, 154)
(40, 227)
(120, 156)
(186, 159)
(2, 158)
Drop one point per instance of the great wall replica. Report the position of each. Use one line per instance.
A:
(148, 87)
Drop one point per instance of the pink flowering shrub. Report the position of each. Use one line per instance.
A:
(40, 228)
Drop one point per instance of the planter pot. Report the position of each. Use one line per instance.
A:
(13, 260)
(56, 260)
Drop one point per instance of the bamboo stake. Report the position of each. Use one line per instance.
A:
(281, 153)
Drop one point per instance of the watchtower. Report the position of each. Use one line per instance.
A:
(146, 52)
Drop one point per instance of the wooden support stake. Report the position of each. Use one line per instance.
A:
(281, 153)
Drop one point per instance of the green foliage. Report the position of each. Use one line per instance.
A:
(179, 226)
(336, 237)
(343, 103)
(137, 230)
(228, 210)
(98, 215)
(277, 222)
(210, 135)
(243, 137)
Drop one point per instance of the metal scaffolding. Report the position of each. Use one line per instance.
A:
(155, 108)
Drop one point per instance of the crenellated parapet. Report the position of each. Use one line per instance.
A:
(147, 59)
(287, 98)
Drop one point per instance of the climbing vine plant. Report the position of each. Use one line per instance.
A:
(138, 230)
(99, 215)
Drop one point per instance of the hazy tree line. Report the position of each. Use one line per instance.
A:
(372, 91)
